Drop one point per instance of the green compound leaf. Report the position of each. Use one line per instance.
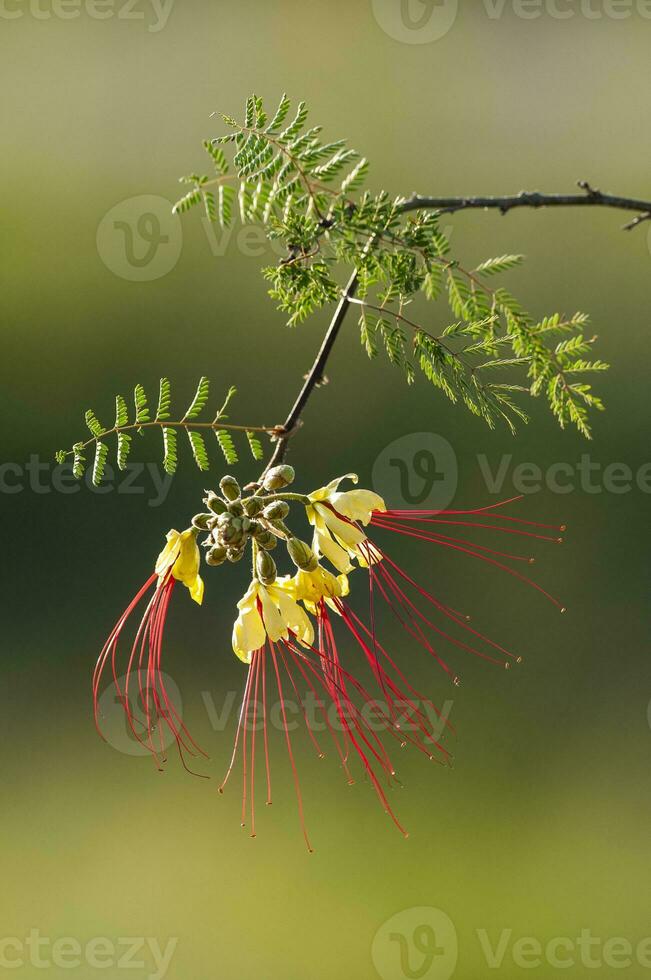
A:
(199, 450)
(170, 459)
(95, 427)
(140, 402)
(227, 446)
(121, 412)
(199, 400)
(254, 445)
(164, 400)
(124, 448)
(101, 453)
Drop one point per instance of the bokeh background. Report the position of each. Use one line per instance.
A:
(542, 826)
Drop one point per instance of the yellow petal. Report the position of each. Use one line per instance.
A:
(248, 600)
(248, 634)
(196, 590)
(348, 534)
(186, 566)
(323, 544)
(273, 621)
(324, 493)
(169, 553)
(357, 505)
(293, 616)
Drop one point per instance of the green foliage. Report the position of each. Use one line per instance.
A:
(101, 453)
(255, 445)
(140, 403)
(227, 446)
(164, 400)
(125, 427)
(310, 196)
(199, 400)
(124, 448)
(170, 458)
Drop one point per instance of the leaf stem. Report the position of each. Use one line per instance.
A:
(182, 424)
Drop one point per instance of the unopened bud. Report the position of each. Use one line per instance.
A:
(216, 555)
(214, 502)
(264, 537)
(266, 568)
(279, 477)
(229, 487)
(302, 555)
(235, 507)
(276, 511)
(202, 521)
(232, 534)
(234, 554)
(252, 506)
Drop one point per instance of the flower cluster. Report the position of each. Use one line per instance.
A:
(286, 626)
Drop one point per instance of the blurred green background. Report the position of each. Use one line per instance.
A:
(542, 827)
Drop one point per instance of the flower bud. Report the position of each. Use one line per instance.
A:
(202, 521)
(266, 568)
(229, 487)
(279, 477)
(216, 555)
(267, 540)
(235, 507)
(214, 502)
(252, 506)
(276, 511)
(234, 554)
(232, 534)
(302, 555)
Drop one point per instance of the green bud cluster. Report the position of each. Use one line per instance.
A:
(232, 520)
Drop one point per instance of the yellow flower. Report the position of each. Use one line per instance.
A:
(180, 557)
(336, 539)
(311, 587)
(269, 611)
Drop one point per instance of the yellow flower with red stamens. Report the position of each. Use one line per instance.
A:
(312, 586)
(269, 611)
(335, 516)
(180, 558)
